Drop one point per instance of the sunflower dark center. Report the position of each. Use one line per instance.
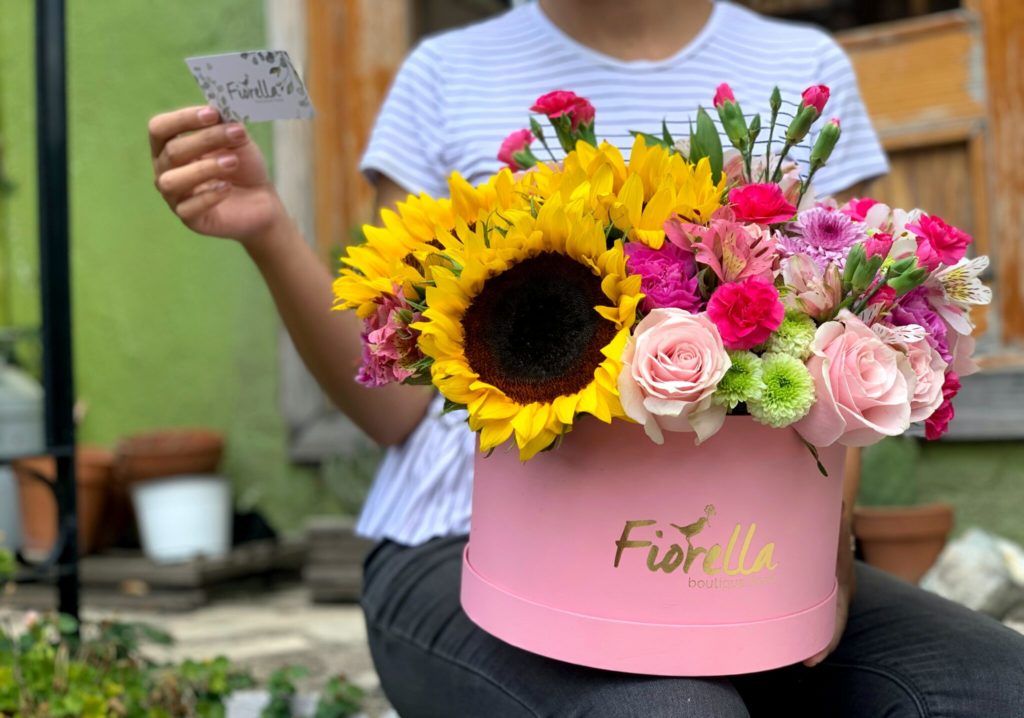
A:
(533, 332)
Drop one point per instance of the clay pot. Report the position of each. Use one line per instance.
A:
(903, 540)
(93, 471)
(172, 452)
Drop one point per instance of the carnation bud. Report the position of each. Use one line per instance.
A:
(735, 125)
(854, 259)
(826, 142)
(775, 102)
(905, 275)
(755, 128)
(723, 94)
(864, 275)
(801, 124)
(815, 96)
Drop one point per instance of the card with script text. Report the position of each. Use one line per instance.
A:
(253, 86)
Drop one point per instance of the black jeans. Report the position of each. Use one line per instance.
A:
(905, 652)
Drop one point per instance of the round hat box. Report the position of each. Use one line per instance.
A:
(613, 552)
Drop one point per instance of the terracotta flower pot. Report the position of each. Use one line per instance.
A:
(93, 470)
(172, 452)
(903, 540)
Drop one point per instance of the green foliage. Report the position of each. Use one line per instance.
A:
(7, 565)
(340, 699)
(55, 668)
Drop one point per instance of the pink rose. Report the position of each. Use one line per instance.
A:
(761, 203)
(816, 96)
(671, 367)
(938, 242)
(864, 387)
(857, 208)
(516, 142)
(747, 312)
(723, 94)
(929, 369)
(938, 423)
(562, 102)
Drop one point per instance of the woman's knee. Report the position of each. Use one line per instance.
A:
(656, 697)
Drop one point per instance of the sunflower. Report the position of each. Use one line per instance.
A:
(527, 325)
(405, 249)
(636, 197)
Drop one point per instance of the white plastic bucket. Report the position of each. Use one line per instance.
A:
(182, 517)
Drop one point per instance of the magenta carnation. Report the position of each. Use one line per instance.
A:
(746, 313)
(668, 276)
(824, 235)
(518, 141)
(939, 242)
(760, 203)
(389, 343)
(938, 423)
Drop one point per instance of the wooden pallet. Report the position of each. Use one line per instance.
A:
(127, 580)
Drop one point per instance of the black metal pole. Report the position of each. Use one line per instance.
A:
(55, 284)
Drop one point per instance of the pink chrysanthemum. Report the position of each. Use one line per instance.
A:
(824, 235)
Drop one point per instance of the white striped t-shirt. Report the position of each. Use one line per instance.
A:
(460, 93)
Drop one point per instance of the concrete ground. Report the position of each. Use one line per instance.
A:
(266, 631)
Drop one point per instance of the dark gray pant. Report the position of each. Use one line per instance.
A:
(905, 653)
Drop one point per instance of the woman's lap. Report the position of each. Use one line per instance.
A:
(904, 653)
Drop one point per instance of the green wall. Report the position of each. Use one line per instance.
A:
(171, 329)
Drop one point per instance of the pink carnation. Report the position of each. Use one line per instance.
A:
(938, 423)
(746, 313)
(389, 343)
(938, 242)
(761, 203)
(515, 142)
(668, 276)
(878, 245)
(562, 102)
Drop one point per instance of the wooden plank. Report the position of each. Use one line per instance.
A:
(1002, 28)
(920, 73)
(355, 47)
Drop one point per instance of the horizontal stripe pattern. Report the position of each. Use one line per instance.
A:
(459, 94)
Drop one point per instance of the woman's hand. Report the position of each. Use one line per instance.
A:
(212, 175)
(847, 585)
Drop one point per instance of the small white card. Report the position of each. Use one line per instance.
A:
(254, 86)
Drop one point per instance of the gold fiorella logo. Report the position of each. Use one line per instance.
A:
(728, 568)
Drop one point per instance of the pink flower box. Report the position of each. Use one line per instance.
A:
(683, 560)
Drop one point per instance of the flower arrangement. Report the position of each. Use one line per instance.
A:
(671, 288)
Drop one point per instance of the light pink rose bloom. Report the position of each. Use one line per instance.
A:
(864, 387)
(930, 372)
(671, 367)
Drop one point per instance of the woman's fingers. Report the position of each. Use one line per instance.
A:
(180, 182)
(183, 149)
(195, 206)
(168, 125)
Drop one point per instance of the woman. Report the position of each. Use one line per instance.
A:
(900, 651)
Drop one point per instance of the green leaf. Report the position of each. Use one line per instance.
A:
(665, 134)
(706, 142)
(649, 139)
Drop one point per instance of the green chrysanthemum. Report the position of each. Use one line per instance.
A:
(794, 335)
(788, 391)
(742, 382)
